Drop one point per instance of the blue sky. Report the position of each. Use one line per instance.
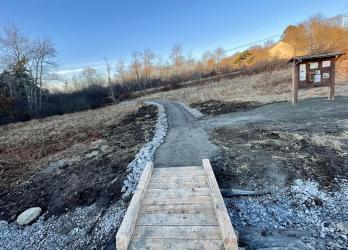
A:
(84, 32)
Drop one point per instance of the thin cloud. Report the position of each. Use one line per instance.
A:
(76, 68)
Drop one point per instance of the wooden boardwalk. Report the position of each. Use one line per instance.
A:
(177, 208)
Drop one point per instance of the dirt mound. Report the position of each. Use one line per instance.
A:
(218, 107)
(91, 174)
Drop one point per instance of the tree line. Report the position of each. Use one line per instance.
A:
(27, 65)
(146, 70)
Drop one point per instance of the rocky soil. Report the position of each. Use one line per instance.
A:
(302, 165)
(80, 193)
(215, 107)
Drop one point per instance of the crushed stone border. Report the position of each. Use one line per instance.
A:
(146, 153)
(195, 112)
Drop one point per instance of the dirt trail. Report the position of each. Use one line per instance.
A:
(188, 139)
(186, 143)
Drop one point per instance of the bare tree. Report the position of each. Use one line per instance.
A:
(190, 65)
(162, 68)
(136, 67)
(121, 71)
(31, 60)
(177, 59)
(219, 55)
(14, 46)
(89, 76)
(41, 61)
(208, 61)
(108, 76)
(148, 57)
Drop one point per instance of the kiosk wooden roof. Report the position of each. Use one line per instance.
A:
(322, 56)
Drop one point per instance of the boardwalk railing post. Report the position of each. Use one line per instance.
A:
(227, 232)
(126, 229)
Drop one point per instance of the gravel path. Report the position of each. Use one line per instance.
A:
(186, 143)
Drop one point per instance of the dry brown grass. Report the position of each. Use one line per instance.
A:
(336, 142)
(30, 144)
(264, 87)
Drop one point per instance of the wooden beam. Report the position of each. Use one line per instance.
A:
(175, 244)
(227, 232)
(177, 219)
(333, 80)
(179, 179)
(126, 229)
(185, 208)
(178, 199)
(295, 80)
(187, 232)
(163, 185)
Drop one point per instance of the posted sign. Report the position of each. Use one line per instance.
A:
(311, 71)
(303, 72)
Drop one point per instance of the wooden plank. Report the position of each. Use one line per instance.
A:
(228, 235)
(181, 191)
(177, 232)
(179, 173)
(177, 219)
(175, 244)
(153, 200)
(175, 169)
(168, 185)
(126, 229)
(161, 171)
(178, 179)
(178, 208)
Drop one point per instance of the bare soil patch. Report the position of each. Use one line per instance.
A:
(76, 166)
(301, 167)
(215, 107)
(255, 155)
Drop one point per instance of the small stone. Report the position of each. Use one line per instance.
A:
(29, 216)
(129, 177)
(104, 148)
(343, 227)
(123, 189)
(98, 142)
(92, 154)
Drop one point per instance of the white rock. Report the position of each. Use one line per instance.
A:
(28, 216)
(105, 148)
(92, 154)
(343, 227)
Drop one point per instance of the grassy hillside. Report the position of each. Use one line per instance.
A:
(266, 87)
